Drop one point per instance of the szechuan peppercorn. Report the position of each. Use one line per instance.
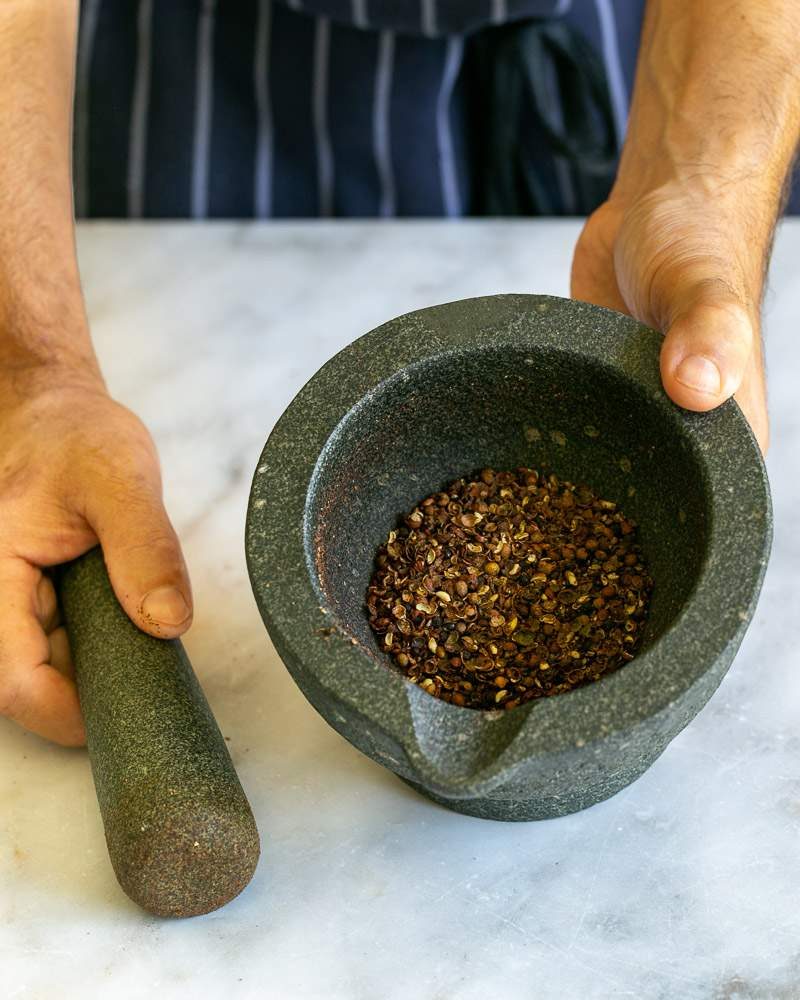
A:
(509, 586)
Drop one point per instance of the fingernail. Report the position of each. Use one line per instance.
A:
(700, 374)
(166, 605)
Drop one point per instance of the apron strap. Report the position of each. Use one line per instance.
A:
(518, 65)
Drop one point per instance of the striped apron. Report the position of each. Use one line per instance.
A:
(299, 108)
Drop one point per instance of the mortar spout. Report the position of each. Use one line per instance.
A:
(456, 751)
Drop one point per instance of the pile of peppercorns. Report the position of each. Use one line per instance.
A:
(509, 586)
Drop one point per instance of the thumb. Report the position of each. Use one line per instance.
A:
(707, 347)
(144, 559)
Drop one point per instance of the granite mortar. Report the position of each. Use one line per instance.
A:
(503, 381)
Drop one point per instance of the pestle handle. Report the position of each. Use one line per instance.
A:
(179, 829)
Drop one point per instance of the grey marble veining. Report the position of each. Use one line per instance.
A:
(683, 885)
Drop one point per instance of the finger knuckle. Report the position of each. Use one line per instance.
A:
(159, 544)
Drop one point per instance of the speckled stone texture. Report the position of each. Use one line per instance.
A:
(179, 829)
(504, 381)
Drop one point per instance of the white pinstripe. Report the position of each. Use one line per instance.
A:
(82, 72)
(137, 142)
(499, 11)
(360, 18)
(447, 168)
(262, 182)
(384, 70)
(203, 109)
(325, 165)
(614, 74)
(428, 17)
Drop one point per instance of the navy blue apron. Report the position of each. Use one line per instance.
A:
(297, 108)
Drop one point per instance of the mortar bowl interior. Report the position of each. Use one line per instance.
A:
(499, 407)
(504, 382)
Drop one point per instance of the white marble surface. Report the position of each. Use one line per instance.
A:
(685, 885)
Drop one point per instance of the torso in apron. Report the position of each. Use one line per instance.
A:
(292, 108)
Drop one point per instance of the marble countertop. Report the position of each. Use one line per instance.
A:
(686, 884)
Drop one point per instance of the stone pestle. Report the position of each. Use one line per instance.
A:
(180, 832)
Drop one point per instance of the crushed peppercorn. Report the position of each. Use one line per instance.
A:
(509, 586)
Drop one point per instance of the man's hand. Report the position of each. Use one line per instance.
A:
(76, 468)
(679, 259)
(684, 240)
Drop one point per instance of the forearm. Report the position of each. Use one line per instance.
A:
(716, 106)
(43, 326)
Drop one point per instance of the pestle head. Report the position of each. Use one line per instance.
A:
(179, 854)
